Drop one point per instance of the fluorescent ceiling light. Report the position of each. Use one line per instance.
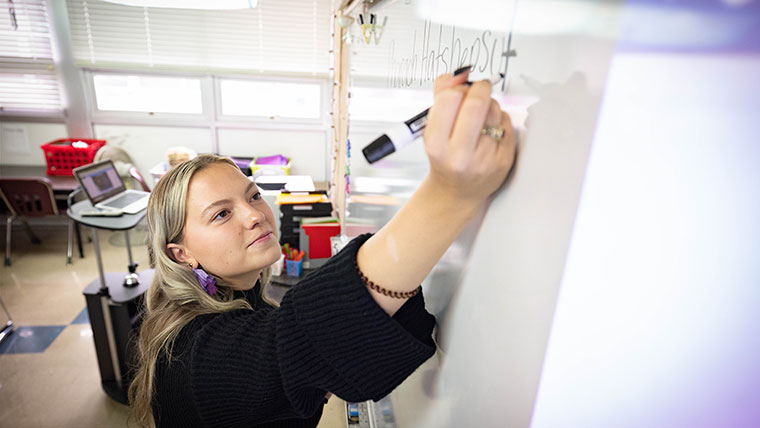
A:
(190, 4)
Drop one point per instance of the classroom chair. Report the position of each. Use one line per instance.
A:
(26, 197)
(135, 173)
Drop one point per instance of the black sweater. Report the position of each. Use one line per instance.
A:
(272, 367)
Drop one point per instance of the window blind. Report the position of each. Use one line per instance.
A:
(277, 36)
(28, 81)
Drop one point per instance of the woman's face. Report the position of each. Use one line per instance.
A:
(229, 228)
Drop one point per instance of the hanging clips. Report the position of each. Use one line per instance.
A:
(372, 30)
(379, 34)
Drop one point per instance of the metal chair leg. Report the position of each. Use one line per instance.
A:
(8, 223)
(70, 244)
(79, 240)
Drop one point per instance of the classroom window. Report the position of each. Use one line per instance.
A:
(291, 36)
(270, 99)
(28, 80)
(384, 105)
(32, 90)
(152, 94)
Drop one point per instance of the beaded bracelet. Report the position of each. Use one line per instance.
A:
(383, 291)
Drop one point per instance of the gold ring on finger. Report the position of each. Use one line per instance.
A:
(495, 132)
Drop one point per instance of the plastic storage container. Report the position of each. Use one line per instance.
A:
(270, 165)
(290, 219)
(65, 154)
(319, 238)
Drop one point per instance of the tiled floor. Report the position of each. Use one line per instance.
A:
(59, 385)
(27, 340)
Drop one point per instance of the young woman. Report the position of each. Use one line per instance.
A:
(214, 353)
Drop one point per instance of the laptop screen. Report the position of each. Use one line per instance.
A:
(100, 181)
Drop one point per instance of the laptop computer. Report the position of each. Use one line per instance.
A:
(104, 188)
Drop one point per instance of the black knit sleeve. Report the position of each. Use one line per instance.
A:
(361, 352)
(328, 335)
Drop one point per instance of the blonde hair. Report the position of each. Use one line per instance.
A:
(175, 296)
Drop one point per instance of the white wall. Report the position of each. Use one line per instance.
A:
(147, 145)
(30, 137)
(308, 149)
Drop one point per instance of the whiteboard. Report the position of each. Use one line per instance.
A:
(571, 301)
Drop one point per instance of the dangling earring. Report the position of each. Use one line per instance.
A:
(207, 281)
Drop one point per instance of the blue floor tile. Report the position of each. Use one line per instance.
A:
(82, 318)
(30, 339)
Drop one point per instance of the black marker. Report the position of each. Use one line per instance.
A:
(401, 135)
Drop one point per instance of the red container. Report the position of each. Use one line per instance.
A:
(63, 155)
(319, 238)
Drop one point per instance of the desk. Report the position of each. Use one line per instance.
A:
(123, 222)
(289, 281)
(115, 310)
(62, 184)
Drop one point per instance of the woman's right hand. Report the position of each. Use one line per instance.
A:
(470, 165)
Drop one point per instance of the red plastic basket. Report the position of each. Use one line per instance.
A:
(63, 155)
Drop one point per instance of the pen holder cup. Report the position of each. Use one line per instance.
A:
(293, 268)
